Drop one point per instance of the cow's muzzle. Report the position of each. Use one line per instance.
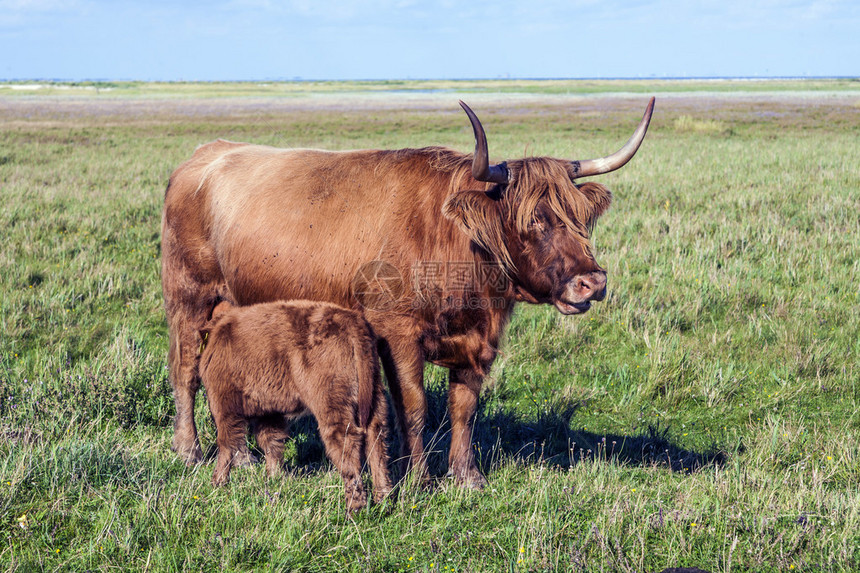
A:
(579, 292)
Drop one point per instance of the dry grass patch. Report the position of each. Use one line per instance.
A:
(689, 124)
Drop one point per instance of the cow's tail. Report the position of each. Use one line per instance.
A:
(367, 371)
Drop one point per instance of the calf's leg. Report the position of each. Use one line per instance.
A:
(343, 444)
(231, 436)
(271, 435)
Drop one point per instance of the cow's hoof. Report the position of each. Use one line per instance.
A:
(416, 477)
(191, 456)
(470, 479)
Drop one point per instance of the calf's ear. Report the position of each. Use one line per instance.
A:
(479, 216)
(220, 309)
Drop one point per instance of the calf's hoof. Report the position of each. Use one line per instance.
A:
(379, 495)
(356, 496)
(244, 457)
(274, 472)
(354, 508)
(418, 478)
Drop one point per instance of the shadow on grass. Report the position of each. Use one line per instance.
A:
(546, 436)
(543, 437)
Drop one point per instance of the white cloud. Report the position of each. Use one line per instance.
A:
(38, 6)
(18, 14)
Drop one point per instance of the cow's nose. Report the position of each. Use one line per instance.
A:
(590, 286)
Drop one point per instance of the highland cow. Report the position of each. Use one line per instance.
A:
(434, 246)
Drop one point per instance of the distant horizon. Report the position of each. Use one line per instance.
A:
(438, 79)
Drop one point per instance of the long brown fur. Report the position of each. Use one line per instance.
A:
(274, 361)
(249, 224)
(538, 180)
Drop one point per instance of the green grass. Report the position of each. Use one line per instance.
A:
(705, 414)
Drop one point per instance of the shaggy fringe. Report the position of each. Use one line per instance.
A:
(534, 180)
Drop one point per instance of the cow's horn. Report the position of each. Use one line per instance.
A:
(481, 168)
(619, 158)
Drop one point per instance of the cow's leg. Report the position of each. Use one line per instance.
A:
(188, 300)
(271, 435)
(463, 390)
(190, 295)
(403, 364)
(375, 447)
(182, 360)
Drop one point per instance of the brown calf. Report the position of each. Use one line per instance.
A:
(269, 362)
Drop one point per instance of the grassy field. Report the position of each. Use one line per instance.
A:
(705, 414)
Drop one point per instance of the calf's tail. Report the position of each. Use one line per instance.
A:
(367, 370)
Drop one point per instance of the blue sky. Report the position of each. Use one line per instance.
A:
(388, 39)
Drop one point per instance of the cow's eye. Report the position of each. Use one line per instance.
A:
(540, 223)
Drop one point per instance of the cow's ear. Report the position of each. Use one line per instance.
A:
(479, 216)
(598, 196)
(473, 211)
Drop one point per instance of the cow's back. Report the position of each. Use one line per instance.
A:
(300, 223)
(189, 259)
